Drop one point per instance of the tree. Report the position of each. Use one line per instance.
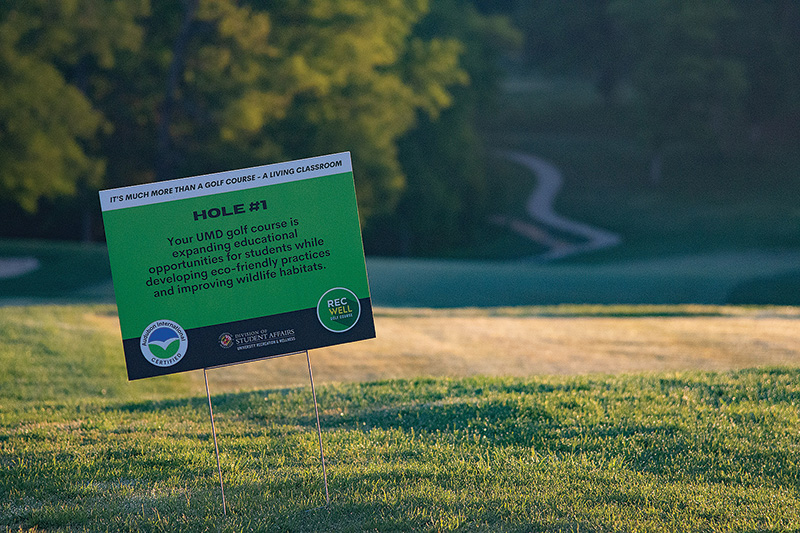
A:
(445, 200)
(576, 38)
(691, 86)
(117, 92)
(766, 40)
(714, 74)
(253, 82)
(47, 121)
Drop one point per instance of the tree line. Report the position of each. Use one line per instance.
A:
(716, 74)
(107, 93)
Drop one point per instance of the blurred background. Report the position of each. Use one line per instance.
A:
(505, 152)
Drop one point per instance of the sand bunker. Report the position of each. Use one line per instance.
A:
(14, 267)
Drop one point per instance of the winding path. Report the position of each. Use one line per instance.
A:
(540, 208)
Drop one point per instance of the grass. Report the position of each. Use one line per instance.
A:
(700, 279)
(81, 449)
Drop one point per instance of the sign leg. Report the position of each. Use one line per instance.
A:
(319, 432)
(216, 448)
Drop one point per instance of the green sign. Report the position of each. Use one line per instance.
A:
(224, 268)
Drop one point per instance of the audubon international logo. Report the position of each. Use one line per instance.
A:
(164, 343)
(338, 310)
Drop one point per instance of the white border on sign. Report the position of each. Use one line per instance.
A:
(221, 182)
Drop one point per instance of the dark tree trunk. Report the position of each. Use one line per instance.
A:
(165, 156)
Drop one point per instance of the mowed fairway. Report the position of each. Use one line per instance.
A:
(513, 341)
(542, 341)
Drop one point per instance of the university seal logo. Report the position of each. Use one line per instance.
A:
(226, 340)
(164, 343)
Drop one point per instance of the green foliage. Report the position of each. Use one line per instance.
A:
(300, 78)
(362, 77)
(114, 93)
(714, 74)
(768, 44)
(692, 86)
(43, 119)
(51, 57)
(575, 38)
(44, 122)
(447, 176)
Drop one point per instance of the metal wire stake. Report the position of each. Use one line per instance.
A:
(216, 448)
(319, 432)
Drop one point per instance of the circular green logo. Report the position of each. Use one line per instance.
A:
(338, 310)
(163, 343)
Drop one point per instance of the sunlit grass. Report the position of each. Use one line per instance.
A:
(64, 352)
(676, 452)
(81, 449)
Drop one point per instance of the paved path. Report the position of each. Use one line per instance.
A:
(540, 208)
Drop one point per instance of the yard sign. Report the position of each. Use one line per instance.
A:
(223, 268)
